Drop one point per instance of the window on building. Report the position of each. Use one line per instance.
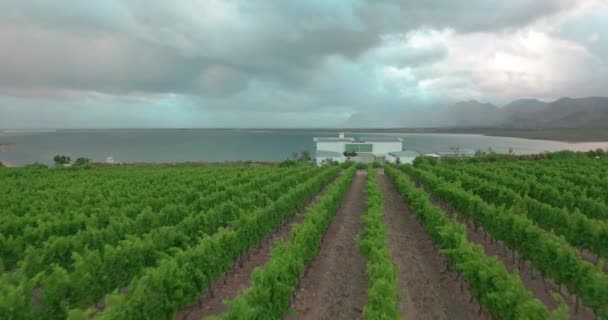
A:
(360, 147)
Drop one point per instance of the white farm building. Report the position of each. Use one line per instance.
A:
(365, 150)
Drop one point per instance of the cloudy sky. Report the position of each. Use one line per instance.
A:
(287, 63)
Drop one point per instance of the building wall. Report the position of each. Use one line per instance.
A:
(384, 147)
(337, 146)
(379, 147)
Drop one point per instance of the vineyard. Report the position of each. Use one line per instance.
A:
(504, 238)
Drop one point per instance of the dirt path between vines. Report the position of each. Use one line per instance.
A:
(530, 277)
(237, 280)
(426, 289)
(335, 286)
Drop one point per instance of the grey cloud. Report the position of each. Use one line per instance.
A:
(334, 58)
(42, 58)
(161, 46)
(590, 30)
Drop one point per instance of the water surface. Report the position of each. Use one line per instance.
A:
(230, 145)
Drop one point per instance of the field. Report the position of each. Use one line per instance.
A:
(476, 238)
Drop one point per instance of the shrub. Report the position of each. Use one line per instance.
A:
(61, 159)
(36, 165)
(566, 154)
(287, 163)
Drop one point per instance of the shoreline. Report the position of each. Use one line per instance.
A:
(571, 136)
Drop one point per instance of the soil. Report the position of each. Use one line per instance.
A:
(426, 289)
(334, 286)
(542, 290)
(237, 280)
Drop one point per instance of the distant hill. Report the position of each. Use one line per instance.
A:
(524, 106)
(591, 112)
(563, 113)
(473, 113)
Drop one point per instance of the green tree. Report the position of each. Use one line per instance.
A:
(61, 159)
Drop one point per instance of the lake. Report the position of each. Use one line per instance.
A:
(209, 145)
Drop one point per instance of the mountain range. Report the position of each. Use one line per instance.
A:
(590, 112)
(562, 113)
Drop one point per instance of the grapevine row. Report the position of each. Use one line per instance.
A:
(179, 281)
(53, 194)
(551, 255)
(549, 187)
(576, 228)
(592, 184)
(33, 229)
(223, 206)
(502, 294)
(382, 300)
(272, 285)
(97, 272)
(554, 191)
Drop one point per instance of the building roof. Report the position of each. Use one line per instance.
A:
(406, 153)
(328, 154)
(330, 139)
(360, 140)
(382, 139)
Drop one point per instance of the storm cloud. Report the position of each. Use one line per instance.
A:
(213, 63)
